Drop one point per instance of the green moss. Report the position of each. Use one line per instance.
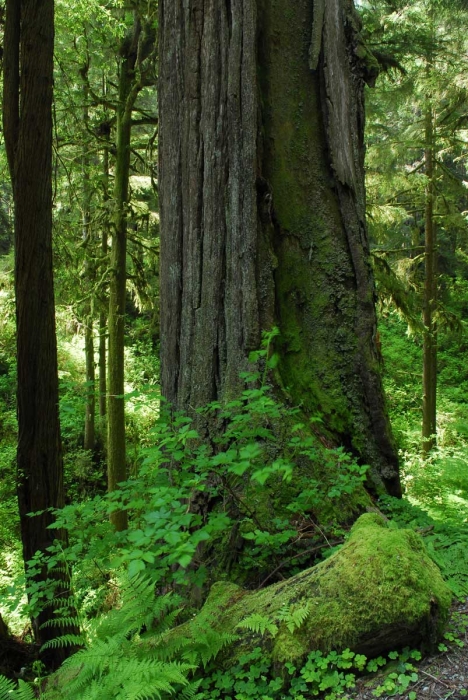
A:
(380, 582)
(325, 358)
(314, 278)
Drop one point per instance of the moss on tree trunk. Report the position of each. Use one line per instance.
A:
(263, 212)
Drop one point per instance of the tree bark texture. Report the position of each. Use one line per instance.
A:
(263, 211)
(27, 116)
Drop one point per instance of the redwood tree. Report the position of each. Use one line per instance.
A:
(27, 119)
(263, 211)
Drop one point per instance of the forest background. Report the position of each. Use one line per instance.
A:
(416, 203)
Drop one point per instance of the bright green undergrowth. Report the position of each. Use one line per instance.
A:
(436, 488)
(244, 476)
(438, 484)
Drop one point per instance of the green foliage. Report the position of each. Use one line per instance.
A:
(121, 657)
(259, 623)
(243, 472)
(446, 542)
(126, 653)
(332, 676)
(9, 691)
(398, 680)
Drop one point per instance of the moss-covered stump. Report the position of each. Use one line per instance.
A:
(378, 593)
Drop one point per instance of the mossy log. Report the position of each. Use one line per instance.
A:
(378, 593)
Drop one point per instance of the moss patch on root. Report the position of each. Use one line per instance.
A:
(379, 592)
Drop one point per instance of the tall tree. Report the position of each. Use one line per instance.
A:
(135, 71)
(89, 442)
(413, 158)
(429, 408)
(27, 118)
(263, 211)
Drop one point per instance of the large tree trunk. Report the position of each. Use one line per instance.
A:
(27, 114)
(263, 211)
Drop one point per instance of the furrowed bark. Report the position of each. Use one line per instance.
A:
(262, 213)
(27, 115)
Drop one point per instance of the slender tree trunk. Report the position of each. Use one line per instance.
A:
(263, 212)
(90, 415)
(27, 117)
(117, 468)
(429, 424)
(103, 311)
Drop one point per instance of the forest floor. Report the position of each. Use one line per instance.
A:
(440, 677)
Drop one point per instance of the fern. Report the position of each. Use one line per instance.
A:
(294, 618)
(259, 624)
(65, 640)
(8, 691)
(6, 688)
(123, 662)
(206, 644)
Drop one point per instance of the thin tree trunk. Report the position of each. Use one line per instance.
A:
(117, 468)
(263, 212)
(27, 115)
(90, 415)
(429, 422)
(103, 312)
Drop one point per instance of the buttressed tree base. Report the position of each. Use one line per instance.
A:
(263, 212)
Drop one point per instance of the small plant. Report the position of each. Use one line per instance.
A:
(331, 676)
(397, 682)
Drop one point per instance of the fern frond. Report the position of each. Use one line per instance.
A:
(167, 646)
(209, 643)
(70, 621)
(295, 618)
(64, 640)
(24, 692)
(8, 690)
(258, 623)
(189, 691)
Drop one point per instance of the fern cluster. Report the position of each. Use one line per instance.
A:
(119, 663)
(9, 691)
(131, 653)
(128, 656)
